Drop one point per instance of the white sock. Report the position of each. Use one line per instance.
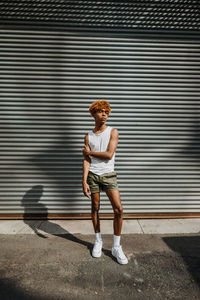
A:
(98, 236)
(116, 240)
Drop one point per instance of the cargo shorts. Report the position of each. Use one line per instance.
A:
(104, 182)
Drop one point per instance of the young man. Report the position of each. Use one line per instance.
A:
(99, 174)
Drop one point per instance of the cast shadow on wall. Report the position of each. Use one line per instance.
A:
(60, 163)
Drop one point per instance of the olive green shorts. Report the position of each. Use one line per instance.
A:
(104, 182)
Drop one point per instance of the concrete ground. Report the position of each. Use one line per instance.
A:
(51, 259)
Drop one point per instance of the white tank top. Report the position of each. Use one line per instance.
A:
(99, 143)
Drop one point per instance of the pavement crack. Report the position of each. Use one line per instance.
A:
(140, 226)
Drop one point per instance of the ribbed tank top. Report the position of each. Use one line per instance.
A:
(99, 143)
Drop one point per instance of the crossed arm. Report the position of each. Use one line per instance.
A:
(111, 147)
(104, 155)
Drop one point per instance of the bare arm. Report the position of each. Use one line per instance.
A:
(86, 168)
(114, 136)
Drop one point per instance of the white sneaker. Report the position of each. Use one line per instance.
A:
(96, 252)
(119, 254)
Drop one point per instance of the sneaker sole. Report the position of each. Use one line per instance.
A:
(122, 263)
(96, 256)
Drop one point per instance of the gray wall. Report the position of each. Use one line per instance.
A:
(49, 79)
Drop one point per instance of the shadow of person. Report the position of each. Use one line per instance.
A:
(33, 208)
(36, 217)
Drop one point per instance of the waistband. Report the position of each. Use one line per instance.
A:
(113, 172)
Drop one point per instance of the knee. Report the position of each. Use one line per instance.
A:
(118, 211)
(95, 207)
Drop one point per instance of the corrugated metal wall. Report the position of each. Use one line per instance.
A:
(48, 81)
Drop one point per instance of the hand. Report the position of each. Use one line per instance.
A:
(86, 151)
(86, 190)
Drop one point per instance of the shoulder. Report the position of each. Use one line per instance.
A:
(88, 133)
(114, 132)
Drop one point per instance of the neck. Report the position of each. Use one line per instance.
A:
(100, 127)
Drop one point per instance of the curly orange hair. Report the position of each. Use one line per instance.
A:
(99, 104)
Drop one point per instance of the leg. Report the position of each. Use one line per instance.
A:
(114, 196)
(97, 249)
(95, 211)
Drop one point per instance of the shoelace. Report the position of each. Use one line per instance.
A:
(97, 242)
(120, 253)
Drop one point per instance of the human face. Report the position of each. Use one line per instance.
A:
(101, 116)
